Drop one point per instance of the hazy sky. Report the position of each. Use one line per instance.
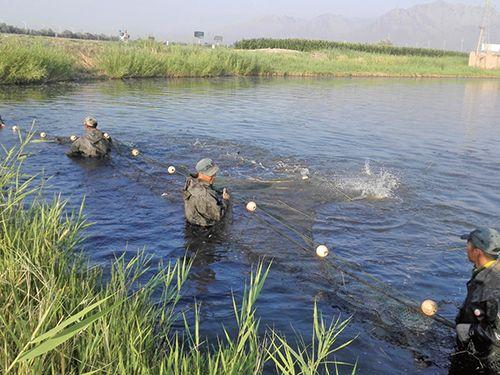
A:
(160, 17)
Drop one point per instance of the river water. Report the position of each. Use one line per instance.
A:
(396, 169)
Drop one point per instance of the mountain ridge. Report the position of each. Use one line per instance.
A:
(436, 24)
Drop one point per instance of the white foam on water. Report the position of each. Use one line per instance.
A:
(293, 168)
(370, 185)
(241, 159)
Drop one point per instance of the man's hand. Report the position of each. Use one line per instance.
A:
(225, 195)
(463, 333)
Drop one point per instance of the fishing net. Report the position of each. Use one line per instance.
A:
(282, 229)
(287, 196)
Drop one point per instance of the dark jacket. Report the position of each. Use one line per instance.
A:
(481, 310)
(203, 205)
(91, 145)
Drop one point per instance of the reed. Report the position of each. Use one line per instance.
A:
(60, 315)
(39, 60)
(34, 62)
(151, 59)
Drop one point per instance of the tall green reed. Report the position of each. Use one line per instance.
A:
(34, 62)
(152, 59)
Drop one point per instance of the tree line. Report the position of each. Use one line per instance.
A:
(9, 29)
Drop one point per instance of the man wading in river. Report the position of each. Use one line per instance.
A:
(203, 205)
(93, 144)
(478, 321)
(2, 124)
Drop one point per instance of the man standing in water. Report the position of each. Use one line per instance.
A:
(93, 144)
(2, 124)
(478, 321)
(203, 205)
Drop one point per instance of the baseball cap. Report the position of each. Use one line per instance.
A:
(90, 121)
(485, 239)
(207, 167)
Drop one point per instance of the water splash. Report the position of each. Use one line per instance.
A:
(371, 185)
(304, 173)
(368, 170)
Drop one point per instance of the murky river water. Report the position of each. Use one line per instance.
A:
(397, 169)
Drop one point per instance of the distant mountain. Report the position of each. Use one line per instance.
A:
(326, 26)
(436, 25)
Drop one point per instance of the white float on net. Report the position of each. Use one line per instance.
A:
(135, 152)
(171, 169)
(251, 206)
(429, 307)
(73, 138)
(322, 251)
(43, 135)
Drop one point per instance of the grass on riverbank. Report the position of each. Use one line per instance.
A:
(23, 62)
(38, 60)
(58, 315)
(150, 59)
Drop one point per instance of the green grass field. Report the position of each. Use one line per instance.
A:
(42, 59)
(59, 315)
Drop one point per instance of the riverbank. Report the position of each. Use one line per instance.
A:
(34, 60)
(59, 315)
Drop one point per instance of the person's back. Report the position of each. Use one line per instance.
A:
(203, 205)
(478, 321)
(93, 144)
(480, 309)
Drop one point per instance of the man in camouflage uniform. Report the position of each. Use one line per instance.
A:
(478, 321)
(93, 144)
(203, 205)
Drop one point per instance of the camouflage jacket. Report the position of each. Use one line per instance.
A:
(91, 145)
(203, 205)
(481, 309)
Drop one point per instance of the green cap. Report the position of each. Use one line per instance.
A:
(485, 239)
(207, 167)
(90, 121)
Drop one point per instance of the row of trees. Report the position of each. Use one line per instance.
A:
(307, 45)
(9, 29)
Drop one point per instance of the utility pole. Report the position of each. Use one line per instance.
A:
(483, 28)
